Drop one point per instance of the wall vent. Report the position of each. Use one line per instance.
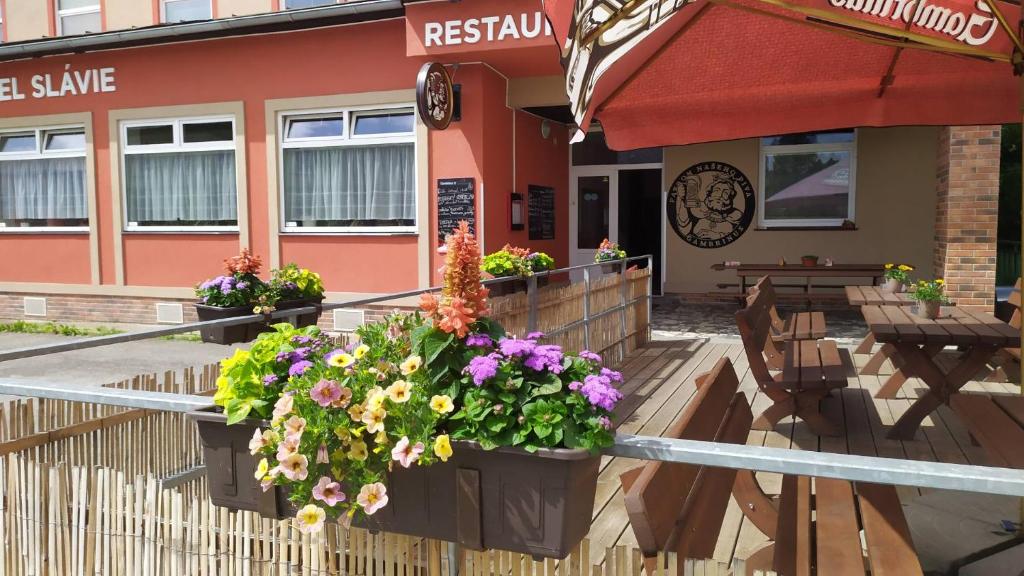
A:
(35, 306)
(169, 313)
(348, 319)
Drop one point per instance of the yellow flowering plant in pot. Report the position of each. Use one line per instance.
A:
(344, 422)
(897, 277)
(930, 296)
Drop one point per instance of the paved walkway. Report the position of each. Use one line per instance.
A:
(673, 319)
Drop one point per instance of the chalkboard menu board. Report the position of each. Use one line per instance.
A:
(455, 202)
(541, 206)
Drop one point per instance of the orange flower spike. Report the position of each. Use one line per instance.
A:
(429, 304)
(244, 263)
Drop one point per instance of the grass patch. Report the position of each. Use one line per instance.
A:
(186, 337)
(23, 327)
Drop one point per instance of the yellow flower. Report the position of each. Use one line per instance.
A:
(375, 398)
(400, 391)
(411, 364)
(360, 351)
(441, 404)
(357, 451)
(342, 432)
(381, 437)
(374, 420)
(940, 281)
(310, 519)
(341, 360)
(906, 268)
(337, 459)
(443, 447)
(888, 266)
(355, 412)
(261, 469)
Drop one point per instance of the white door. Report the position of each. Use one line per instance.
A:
(593, 212)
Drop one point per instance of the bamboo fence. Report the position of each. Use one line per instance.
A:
(60, 520)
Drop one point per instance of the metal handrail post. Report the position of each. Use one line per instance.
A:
(650, 295)
(623, 313)
(531, 298)
(586, 308)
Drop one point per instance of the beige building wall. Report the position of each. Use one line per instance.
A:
(124, 14)
(895, 210)
(26, 19)
(228, 8)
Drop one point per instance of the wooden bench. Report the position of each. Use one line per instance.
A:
(811, 369)
(796, 326)
(996, 423)
(679, 508)
(1008, 356)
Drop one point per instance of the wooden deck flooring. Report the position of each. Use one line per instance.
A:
(659, 381)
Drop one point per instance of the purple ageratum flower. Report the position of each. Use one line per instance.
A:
(283, 356)
(591, 356)
(270, 380)
(575, 386)
(482, 368)
(225, 289)
(513, 347)
(290, 286)
(299, 354)
(299, 367)
(301, 340)
(605, 422)
(611, 375)
(242, 285)
(534, 335)
(600, 393)
(479, 340)
(545, 357)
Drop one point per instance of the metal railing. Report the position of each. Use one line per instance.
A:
(960, 477)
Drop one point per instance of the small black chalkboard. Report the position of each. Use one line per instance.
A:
(541, 206)
(455, 202)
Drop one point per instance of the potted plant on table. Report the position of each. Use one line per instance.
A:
(509, 262)
(930, 296)
(607, 252)
(295, 287)
(231, 295)
(897, 276)
(422, 418)
(809, 260)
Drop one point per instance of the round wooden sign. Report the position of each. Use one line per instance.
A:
(711, 204)
(434, 98)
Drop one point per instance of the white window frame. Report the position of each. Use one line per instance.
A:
(1, 23)
(60, 14)
(849, 147)
(349, 114)
(40, 153)
(177, 145)
(163, 11)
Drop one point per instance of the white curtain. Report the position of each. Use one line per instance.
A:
(48, 188)
(344, 184)
(181, 186)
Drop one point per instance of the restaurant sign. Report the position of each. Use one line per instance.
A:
(974, 28)
(72, 82)
(443, 27)
(711, 204)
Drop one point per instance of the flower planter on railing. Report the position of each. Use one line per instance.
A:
(308, 318)
(227, 334)
(506, 499)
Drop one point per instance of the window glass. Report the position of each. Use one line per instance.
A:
(187, 10)
(146, 135)
(293, 4)
(832, 137)
(38, 190)
(77, 4)
(330, 180)
(316, 127)
(65, 141)
(594, 151)
(180, 186)
(808, 179)
(18, 143)
(383, 123)
(593, 212)
(208, 132)
(74, 24)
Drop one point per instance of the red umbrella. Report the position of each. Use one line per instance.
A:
(669, 72)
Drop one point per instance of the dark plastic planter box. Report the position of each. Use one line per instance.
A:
(507, 288)
(506, 499)
(228, 334)
(303, 320)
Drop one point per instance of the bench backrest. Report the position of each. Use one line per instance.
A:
(754, 324)
(680, 507)
(1014, 300)
(765, 285)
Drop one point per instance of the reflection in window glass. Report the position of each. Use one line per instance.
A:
(187, 10)
(293, 4)
(147, 135)
(208, 132)
(371, 124)
(592, 214)
(85, 23)
(65, 141)
(18, 143)
(594, 151)
(814, 186)
(831, 137)
(316, 127)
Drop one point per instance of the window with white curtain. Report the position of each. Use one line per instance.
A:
(187, 10)
(349, 170)
(78, 17)
(43, 179)
(180, 174)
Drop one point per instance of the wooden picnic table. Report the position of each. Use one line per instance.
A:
(861, 295)
(918, 340)
(997, 423)
(809, 273)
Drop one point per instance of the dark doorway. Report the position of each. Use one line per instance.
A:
(640, 215)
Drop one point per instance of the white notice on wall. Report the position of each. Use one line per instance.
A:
(72, 82)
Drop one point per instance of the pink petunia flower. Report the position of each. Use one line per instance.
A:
(287, 447)
(294, 426)
(372, 497)
(405, 452)
(295, 467)
(325, 392)
(283, 406)
(328, 492)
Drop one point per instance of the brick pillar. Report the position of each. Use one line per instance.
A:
(967, 214)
